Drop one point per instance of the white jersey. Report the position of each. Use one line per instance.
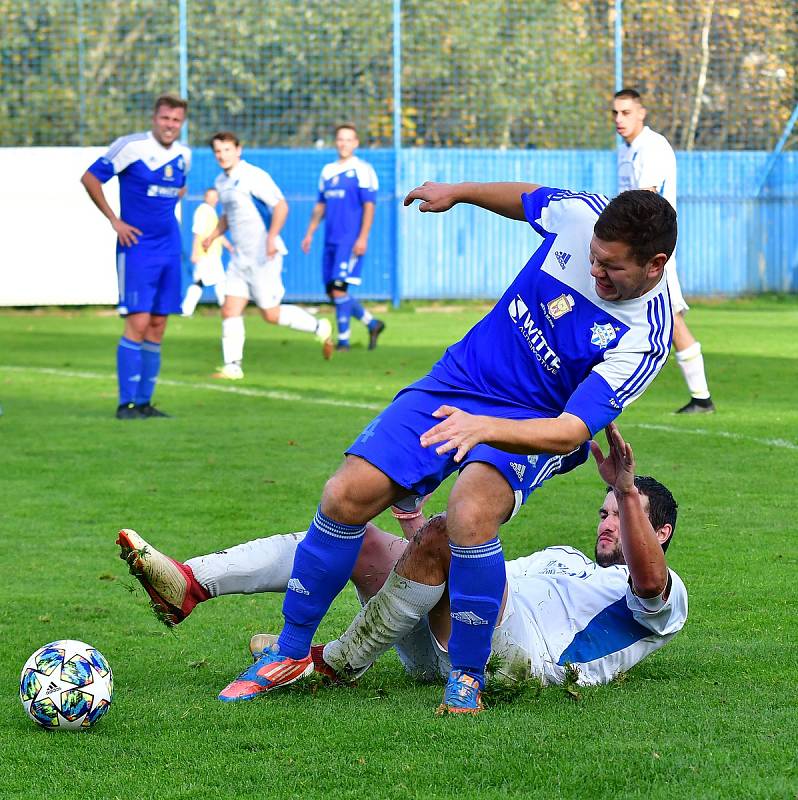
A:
(648, 162)
(564, 609)
(248, 195)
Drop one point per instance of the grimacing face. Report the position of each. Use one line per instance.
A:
(629, 117)
(228, 154)
(166, 124)
(616, 272)
(608, 536)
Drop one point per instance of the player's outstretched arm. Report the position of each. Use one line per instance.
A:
(503, 198)
(641, 548)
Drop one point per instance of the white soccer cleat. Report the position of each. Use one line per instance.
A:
(229, 372)
(324, 335)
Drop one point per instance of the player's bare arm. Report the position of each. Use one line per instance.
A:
(503, 198)
(362, 241)
(279, 216)
(127, 234)
(316, 216)
(219, 230)
(642, 548)
(462, 431)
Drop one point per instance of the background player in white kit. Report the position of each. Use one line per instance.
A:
(254, 211)
(602, 616)
(647, 161)
(208, 267)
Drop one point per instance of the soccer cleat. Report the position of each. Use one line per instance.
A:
(149, 410)
(172, 587)
(324, 335)
(229, 372)
(462, 695)
(697, 406)
(342, 347)
(128, 411)
(271, 671)
(375, 329)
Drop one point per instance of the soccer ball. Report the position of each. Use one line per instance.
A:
(66, 685)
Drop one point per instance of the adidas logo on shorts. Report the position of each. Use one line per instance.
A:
(519, 469)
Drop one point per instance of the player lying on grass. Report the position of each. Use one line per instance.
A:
(560, 607)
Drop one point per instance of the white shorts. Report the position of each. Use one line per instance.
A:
(678, 303)
(261, 282)
(209, 271)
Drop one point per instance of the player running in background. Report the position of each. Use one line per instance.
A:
(601, 616)
(347, 200)
(254, 211)
(208, 267)
(647, 161)
(152, 169)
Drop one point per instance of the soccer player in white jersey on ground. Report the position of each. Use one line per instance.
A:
(208, 267)
(579, 334)
(601, 616)
(254, 211)
(347, 202)
(647, 161)
(151, 167)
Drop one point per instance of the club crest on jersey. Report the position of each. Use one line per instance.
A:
(526, 325)
(168, 173)
(335, 179)
(560, 305)
(602, 335)
(181, 165)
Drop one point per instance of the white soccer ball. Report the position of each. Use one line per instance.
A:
(66, 685)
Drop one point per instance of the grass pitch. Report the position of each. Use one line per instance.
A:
(712, 715)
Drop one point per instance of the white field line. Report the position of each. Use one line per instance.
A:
(291, 397)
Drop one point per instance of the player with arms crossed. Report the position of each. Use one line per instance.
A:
(254, 211)
(579, 334)
(152, 169)
(347, 200)
(601, 616)
(647, 161)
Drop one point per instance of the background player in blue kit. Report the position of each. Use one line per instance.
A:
(347, 200)
(152, 169)
(578, 335)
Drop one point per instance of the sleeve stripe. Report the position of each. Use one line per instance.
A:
(595, 202)
(121, 143)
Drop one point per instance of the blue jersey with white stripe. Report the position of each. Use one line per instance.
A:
(551, 344)
(343, 188)
(150, 179)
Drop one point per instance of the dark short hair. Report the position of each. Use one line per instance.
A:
(224, 136)
(662, 507)
(170, 101)
(641, 219)
(632, 94)
(345, 126)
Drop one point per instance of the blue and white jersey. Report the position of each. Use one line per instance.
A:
(150, 179)
(648, 163)
(551, 344)
(344, 188)
(563, 608)
(248, 195)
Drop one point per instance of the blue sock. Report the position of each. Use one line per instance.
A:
(150, 367)
(343, 311)
(476, 588)
(128, 369)
(322, 565)
(358, 312)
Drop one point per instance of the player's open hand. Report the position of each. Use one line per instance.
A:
(433, 196)
(459, 430)
(617, 468)
(359, 247)
(127, 234)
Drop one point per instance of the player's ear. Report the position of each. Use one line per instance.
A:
(664, 533)
(656, 266)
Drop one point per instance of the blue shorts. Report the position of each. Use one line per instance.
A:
(148, 282)
(391, 443)
(338, 264)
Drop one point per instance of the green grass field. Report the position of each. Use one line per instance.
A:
(712, 715)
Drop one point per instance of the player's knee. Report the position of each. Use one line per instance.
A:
(469, 517)
(336, 288)
(340, 499)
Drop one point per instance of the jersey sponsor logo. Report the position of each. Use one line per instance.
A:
(468, 617)
(521, 316)
(561, 305)
(602, 335)
(555, 567)
(562, 258)
(334, 194)
(518, 469)
(295, 585)
(153, 190)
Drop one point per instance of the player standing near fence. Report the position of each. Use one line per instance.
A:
(647, 161)
(152, 169)
(254, 211)
(347, 201)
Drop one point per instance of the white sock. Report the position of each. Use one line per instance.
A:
(193, 294)
(391, 614)
(218, 290)
(233, 335)
(691, 363)
(297, 319)
(367, 317)
(262, 565)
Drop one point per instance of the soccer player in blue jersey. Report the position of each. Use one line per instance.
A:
(152, 169)
(578, 335)
(347, 200)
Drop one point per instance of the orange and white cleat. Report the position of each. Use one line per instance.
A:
(271, 671)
